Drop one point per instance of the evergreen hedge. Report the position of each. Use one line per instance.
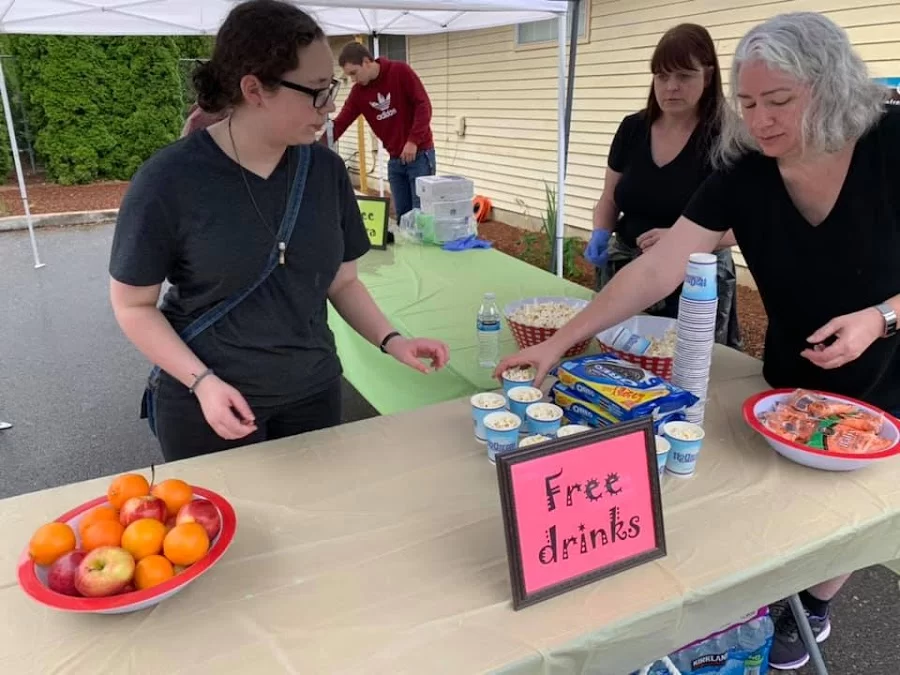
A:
(99, 106)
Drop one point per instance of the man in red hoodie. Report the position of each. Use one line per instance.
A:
(394, 102)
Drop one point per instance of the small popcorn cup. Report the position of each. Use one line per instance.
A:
(685, 439)
(544, 418)
(517, 377)
(482, 405)
(502, 429)
(522, 397)
(662, 453)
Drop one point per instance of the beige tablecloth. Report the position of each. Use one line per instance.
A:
(378, 547)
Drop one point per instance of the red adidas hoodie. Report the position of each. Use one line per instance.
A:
(396, 106)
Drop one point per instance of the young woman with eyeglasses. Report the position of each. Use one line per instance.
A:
(206, 212)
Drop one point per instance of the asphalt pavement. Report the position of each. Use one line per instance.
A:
(70, 383)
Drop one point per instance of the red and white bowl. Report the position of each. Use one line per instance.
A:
(33, 578)
(528, 336)
(818, 459)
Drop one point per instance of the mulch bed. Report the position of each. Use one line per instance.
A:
(46, 197)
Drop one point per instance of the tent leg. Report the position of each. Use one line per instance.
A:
(561, 142)
(575, 9)
(15, 153)
(380, 160)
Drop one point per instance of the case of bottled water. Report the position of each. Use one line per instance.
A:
(740, 649)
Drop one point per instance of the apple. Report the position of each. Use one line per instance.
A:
(201, 511)
(104, 571)
(142, 507)
(129, 588)
(61, 576)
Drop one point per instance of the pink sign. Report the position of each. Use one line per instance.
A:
(581, 508)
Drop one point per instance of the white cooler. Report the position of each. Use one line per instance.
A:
(444, 188)
(451, 209)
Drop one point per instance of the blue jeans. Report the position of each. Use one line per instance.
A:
(402, 178)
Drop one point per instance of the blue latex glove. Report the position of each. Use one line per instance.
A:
(596, 251)
(466, 243)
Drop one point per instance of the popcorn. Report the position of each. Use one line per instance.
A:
(488, 401)
(544, 314)
(533, 440)
(502, 421)
(526, 394)
(662, 347)
(526, 374)
(544, 412)
(684, 433)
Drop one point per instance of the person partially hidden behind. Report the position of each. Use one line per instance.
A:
(393, 100)
(809, 186)
(658, 158)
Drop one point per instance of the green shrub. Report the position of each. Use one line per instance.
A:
(6, 160)
(98, 107)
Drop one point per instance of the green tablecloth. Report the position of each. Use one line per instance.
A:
(428, 292)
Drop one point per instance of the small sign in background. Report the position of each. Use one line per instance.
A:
(375, 212)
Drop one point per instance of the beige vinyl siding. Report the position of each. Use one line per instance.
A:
(507, 94)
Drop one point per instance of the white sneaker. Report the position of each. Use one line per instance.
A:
(5, 425)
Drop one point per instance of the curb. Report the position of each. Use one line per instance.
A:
(13, 223)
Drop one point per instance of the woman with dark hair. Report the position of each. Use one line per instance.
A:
(658, 158)
(213, 214)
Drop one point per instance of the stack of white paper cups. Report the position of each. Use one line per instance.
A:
(696, 331)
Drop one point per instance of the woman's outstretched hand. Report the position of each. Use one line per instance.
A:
(542, 357)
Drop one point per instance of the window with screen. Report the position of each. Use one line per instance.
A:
(392, 47)
(538, 32)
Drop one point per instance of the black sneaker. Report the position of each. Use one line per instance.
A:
(788, 651)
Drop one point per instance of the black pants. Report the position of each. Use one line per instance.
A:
(183, 432)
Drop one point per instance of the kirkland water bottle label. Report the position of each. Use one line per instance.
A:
(488, 326)
(632, 343)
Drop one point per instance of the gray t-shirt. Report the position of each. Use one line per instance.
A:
(187, 218)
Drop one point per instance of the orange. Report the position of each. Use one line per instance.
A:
(102, 533)
(51, 541)
(175, 493)
(152, 570)
(95, 515)
(185, 544)
(125, 487)
(144, 537)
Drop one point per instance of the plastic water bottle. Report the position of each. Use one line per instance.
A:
(488, 332)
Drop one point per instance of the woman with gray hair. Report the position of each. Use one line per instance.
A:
(807, 182)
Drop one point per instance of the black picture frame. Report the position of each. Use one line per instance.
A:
(521, 598)
(379, 234)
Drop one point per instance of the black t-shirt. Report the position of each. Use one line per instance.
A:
(650, 196)
(809, 275)
(187, 217)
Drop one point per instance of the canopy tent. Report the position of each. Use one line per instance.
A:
(337, 17)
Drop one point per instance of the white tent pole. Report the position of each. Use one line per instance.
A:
(561, 150)
(375, 40)
(7, 109)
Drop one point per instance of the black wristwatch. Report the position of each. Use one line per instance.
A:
(890, 319)
(387, 338)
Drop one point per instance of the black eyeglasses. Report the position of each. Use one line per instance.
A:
(320, 97)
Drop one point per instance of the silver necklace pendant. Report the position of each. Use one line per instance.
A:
(282, 247)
